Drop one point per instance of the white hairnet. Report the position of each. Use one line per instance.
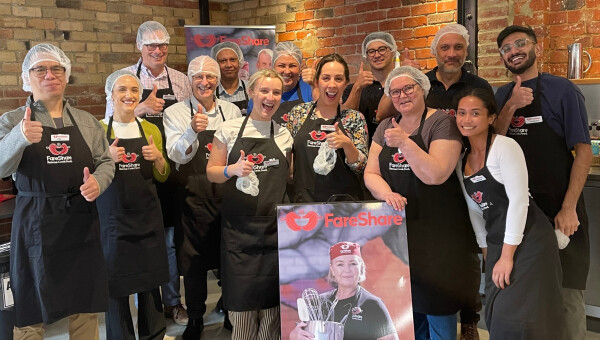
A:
(383, 37)
(228, 45)
(452, 28)
(43, 52)
(411, 72)
(205, 64)
(111, 80)
(287, 48)
(151, 32)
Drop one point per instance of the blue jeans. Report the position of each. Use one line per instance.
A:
(434, 327)
(170, 290)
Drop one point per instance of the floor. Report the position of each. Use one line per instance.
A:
(214, 322)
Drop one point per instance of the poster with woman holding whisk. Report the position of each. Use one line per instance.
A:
(344, 272)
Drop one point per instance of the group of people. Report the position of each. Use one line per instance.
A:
(185, 173)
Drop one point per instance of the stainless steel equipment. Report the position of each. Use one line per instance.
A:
(575, 64)
(326, 330)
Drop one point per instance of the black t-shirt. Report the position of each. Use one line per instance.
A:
(440, 98)
(369, 101)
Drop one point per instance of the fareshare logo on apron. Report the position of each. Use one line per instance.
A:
(517, 123)
(208, 148)
(129, 162)
(260, 164)
(316, 138)
(58, 150)
(399, 163)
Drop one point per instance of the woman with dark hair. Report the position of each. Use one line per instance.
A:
(330, 144)
(523, 273)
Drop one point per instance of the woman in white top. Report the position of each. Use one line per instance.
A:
(523, 274)
(251, 155)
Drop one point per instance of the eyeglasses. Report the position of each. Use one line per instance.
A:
(408, 89)
(41, 71)
(382, 51)
(153, 47)
(518, 44)
(200, 77)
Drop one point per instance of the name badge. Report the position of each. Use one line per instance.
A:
(169, 97)
(534, 120)
(479, 178)
(272, 162)
(329, 128)
(59, 138)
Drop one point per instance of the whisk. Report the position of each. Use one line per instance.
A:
(314, 302)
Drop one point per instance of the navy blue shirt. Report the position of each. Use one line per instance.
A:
(563, 107)
(291, 95)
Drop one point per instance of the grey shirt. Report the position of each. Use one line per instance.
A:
(13, 141)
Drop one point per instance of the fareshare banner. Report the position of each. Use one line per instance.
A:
(311, 282)
(200, 39)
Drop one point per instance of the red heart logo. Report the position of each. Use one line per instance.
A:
(58, 148)
(285, 117)
(291, 218)
(517, 121)
(205, 41)
(209, 147)
(318, 135)
(399, 158)
(477, 197)
(255, 158)
(129, 157)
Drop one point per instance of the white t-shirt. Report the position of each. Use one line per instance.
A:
(506, 164)
(125, 130)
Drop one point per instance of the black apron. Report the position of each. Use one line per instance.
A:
(310, 186)
(131, 222)
(444, 266)
(167, 191)
(531, 306)
(198, 240)
(281, 115)
(249, 260)
(57, 268)
(241, 104)
(549, 164)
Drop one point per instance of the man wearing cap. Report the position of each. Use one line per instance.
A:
(264, 59)
(379, 50)
(61, 164)
(546, 115)
(231, 88)
(190, 126)
(163, 87)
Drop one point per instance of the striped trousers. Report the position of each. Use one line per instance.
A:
(261, 324)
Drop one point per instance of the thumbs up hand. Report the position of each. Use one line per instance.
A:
(395, 136)
(338, 139)
(521, 96)
(242, 167)
(31, 129)
(200, 120)
(150, 151)
(365, 78)
(116, 152)
(407, 61)
(152, 104)
(308, 75)
(90, 190)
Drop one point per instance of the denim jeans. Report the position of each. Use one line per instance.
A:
(434, 327)
(170, 290)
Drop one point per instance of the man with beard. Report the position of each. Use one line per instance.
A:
(379, 49)
(231, 88)
(546, 115)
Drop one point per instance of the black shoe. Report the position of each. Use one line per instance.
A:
(226, 323)
(194, 329)
(219, 308)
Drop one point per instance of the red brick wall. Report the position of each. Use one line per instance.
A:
(556, 23)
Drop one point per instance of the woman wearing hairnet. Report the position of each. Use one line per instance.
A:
(130, 215)
(190, 127)
(297, 83)
(61, 163)
(411, 165)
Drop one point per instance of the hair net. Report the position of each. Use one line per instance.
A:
(111, 80)
(452, 28)
(410, 72)
(43, 52)
(206, 64)
(287, 48)
(228, 45)
(383, 37)
(151, 32)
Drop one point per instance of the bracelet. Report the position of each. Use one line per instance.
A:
(225, 172)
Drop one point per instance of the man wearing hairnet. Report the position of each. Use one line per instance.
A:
(190, 126)
(163, 87)
(264, 59)
(379, 50)
(61, 164)
(231, 88)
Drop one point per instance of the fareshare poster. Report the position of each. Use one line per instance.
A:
(201, 38)
(377, 272)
